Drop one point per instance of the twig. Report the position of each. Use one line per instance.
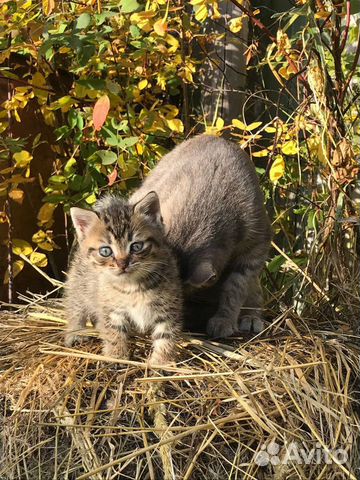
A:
(8, 209)
(347, 26)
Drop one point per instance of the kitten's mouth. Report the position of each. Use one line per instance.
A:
(122, 272)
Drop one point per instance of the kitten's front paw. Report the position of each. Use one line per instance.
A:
(221, 327)
(159, 359)
(251, 323)
(71, 339)
(117, 350)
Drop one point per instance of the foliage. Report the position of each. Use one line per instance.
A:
(112, 121)
(112, 80)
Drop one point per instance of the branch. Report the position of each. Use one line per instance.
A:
(347, 26)
(352, 72)
(262, 27)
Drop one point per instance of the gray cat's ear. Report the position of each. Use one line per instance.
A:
(83, 220)
(149, 206)
(203, 275)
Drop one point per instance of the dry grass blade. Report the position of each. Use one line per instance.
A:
(71, 413)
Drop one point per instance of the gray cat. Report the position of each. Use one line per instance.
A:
(216, 223)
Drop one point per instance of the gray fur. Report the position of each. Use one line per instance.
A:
(215, 220)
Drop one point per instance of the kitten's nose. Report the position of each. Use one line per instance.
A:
(122, 263)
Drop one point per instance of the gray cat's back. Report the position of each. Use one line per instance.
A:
(209, 192)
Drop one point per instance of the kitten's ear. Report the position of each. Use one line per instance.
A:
(149, 206)
(83, 220)
(203, 275)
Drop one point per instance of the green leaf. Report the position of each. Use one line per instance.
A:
(128, 142)
(129, 6)
(92, 83)
(275, 263)
(57, 179)
(134, 31)
(107, 157)
(69, 168)
(355, 7)
(72, 118)
(83, 21)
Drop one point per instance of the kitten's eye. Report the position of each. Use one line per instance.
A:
(105, 251)
(136, 247)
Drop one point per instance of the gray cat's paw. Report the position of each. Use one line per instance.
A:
(221, 327)
(251, 323)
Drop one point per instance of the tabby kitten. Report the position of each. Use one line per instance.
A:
(124, 276)
(216, 222)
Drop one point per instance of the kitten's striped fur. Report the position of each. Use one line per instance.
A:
(127, 290)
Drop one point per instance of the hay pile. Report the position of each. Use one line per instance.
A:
(226, 411)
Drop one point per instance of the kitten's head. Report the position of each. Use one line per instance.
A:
(122, 240)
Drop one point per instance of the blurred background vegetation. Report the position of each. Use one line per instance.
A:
(95, 92)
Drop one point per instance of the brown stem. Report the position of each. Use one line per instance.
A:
(347, 26)
(8, 209)
(352, 72)
(184, 85)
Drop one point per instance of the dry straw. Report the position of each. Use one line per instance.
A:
(73, 414)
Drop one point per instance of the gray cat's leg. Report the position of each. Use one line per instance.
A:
(233, 295)
(251, 318)
(114, 330)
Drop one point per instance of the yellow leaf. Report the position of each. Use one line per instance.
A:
(17, 266)
(277, 169)
(170, 111)
(322, 14)
(160, 27)
(201, 12)
(143, 84)
(139, 148)
(48, 6)
(270, 129)
(90, 199)
(175, 125)
(260, 153)
(49, 116)
(219, 123)
(38, 80)
(290, 148)
(143, 20)
(17, 195)
(22, 158)
(173, 42)
(252, 126)
(283, 42)
(240, 125)
(38, 259)
(26, 5)
(216, 12)
(284, 72)
(236, 24)
(45, 213)
(21, 247)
